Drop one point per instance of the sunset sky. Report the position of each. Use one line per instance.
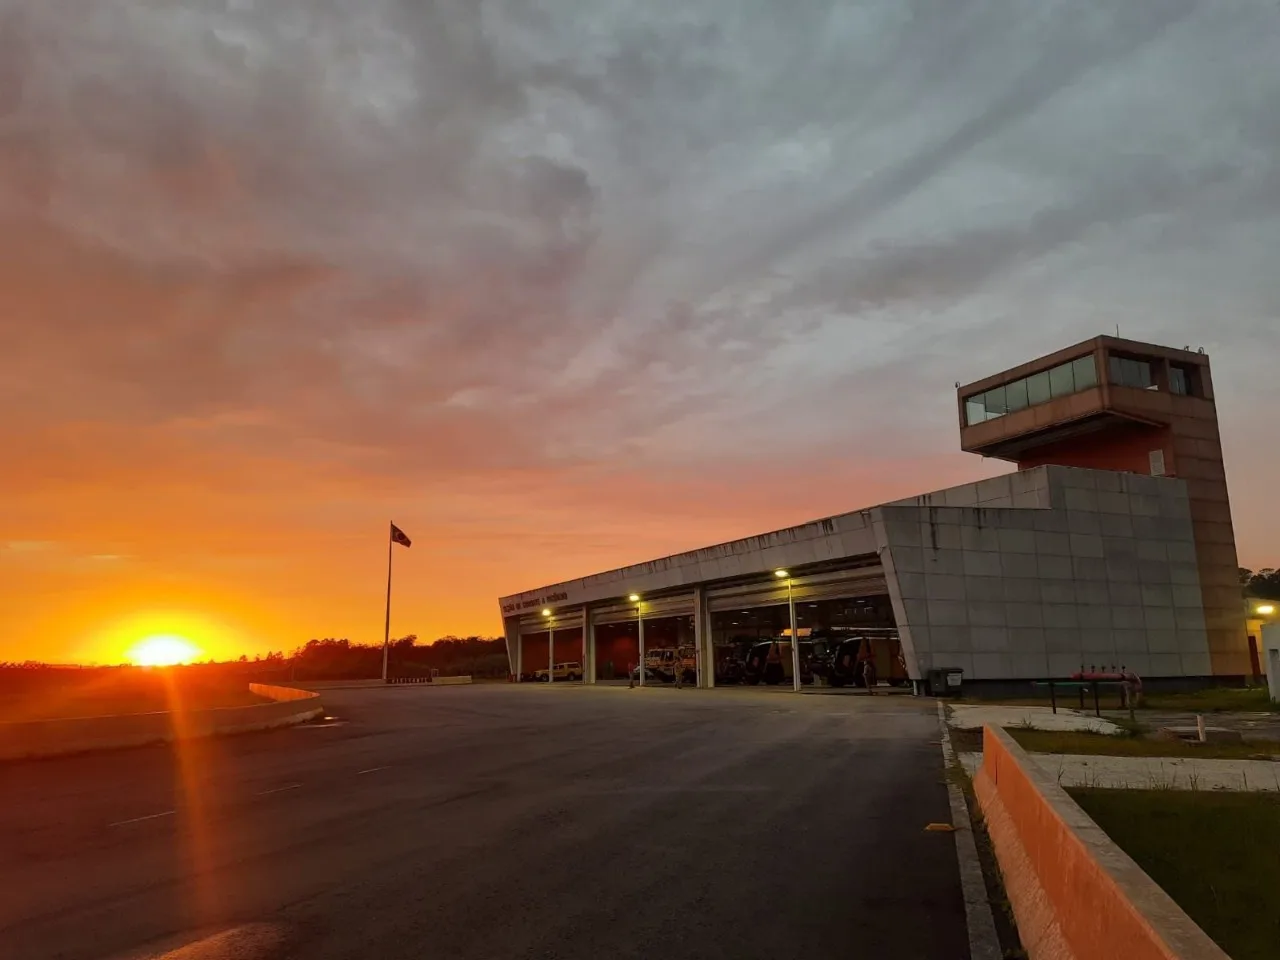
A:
(559, 286)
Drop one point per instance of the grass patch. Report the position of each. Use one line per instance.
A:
(1214, 853)
(1213, 700)
(1100, 744)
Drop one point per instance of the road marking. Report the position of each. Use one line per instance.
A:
(290, 786)
(360, 773)
(984, 942)
(149, 816)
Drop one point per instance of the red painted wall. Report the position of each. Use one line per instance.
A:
(533, 652)
(1126, 450)
(569, 646)
(616, 643)
(568, 649)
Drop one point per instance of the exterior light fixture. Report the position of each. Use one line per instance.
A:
(781, 573)
(634, 598)
(546, 612)
(1266, 609)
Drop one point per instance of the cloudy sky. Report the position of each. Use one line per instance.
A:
(559, 286)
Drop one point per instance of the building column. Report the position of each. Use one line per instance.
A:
(588, 646)
(515, 652)
(640, 638)
(703, 640)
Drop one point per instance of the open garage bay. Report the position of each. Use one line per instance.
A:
(503, 821)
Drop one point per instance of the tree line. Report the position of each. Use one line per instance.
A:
(333, 659)
(1264, 584)
(339, 659)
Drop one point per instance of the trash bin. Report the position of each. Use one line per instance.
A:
(945, 681)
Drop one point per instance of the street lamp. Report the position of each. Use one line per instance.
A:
(551, 645)
(795, 635)
(635, 598)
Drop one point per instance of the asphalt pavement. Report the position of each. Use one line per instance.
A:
(498, 821)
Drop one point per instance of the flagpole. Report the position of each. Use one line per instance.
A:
(386, 633)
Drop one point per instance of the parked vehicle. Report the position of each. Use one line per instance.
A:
(731, 660)
(843, 664)
(562, 671)
(664, 663)
(770, 661)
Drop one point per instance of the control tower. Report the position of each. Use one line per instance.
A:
(1122, 405)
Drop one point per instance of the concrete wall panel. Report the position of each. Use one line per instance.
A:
(1010, 593)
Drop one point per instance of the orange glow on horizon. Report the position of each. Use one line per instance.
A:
(161, 638)
(163, 650)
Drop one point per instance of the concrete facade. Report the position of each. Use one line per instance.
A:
(1110, 547)
(1029, 575)
(1104, 574)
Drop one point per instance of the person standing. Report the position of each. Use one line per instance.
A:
(869, 675)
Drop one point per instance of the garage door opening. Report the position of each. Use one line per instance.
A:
(668, 646)
(753, 644)
(670, 651)
(617, 650)
(534, 654)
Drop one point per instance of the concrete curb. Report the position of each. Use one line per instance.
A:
(1075, 894)
(51, 738)
(984, 941)
(321, 685)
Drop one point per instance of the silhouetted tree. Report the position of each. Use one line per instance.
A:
(1265, 584)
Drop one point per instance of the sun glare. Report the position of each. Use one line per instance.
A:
(163, 651)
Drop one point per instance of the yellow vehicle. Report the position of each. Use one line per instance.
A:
(666, 663)
(562, 671)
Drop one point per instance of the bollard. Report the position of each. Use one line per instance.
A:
(1200, 727)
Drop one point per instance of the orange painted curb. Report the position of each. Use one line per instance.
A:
(1075, 894)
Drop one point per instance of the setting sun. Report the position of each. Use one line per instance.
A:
(163, 651)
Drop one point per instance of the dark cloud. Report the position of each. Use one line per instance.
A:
(455, 238)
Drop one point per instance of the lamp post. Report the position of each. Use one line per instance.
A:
(551, 646)
(795, 635)
(635, 598)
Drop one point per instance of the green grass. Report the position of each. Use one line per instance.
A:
(1214, 853)
(1124, 745)
(1212, 700)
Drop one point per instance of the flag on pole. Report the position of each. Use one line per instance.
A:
(398, 536)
